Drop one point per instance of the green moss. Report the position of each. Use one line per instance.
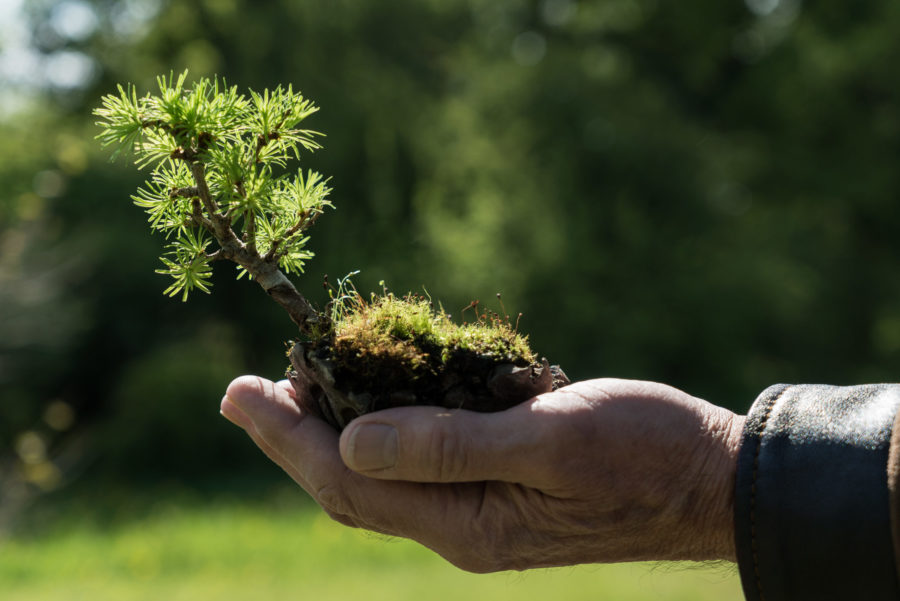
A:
(411, 331)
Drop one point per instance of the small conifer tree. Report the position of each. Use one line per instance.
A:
(219, 188)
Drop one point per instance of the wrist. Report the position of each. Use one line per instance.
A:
(724, 547)
(710, 520)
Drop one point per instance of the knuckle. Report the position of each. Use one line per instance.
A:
(473, 565)
(495, 552)
(340, 518)
(447, 456)
(489, 545)
(342, 506)
(477, 555)
(483, 557)
(333, 500)
(577, 432)
(494, 538)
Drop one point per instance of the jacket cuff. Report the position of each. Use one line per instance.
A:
(812, 509)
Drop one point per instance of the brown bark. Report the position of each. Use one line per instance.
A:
(272, 280)
(282, 291)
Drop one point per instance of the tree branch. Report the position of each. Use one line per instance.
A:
(306, 221)
(188, 192)
(273, 254)
(265, 272)
(250, 231)
(199, 218)
(159, 124)
(279, 287)
(220, 223)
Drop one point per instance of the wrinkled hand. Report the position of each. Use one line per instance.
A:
(599, 471)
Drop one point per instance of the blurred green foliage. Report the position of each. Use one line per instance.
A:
(704, 194)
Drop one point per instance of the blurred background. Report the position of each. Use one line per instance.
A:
(700, 193)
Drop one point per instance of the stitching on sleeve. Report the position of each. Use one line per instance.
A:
(754, 546)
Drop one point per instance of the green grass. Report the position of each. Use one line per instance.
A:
(283, 548)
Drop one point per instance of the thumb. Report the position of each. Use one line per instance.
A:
(433, 444)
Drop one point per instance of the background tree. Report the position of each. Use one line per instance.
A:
(701, 194)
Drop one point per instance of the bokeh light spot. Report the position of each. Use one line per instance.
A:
(74, 20)
(31, 448)
(59, 415)
(529, 48)
(70, 69)
(49, 183)
(558, 12)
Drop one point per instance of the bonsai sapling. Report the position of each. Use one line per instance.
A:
(220, 189)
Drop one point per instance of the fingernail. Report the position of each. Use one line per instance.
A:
(372, 447)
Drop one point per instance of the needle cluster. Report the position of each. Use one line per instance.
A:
(219, 185)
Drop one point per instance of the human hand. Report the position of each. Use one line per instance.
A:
(599, 471)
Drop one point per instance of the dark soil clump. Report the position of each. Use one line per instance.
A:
(346, 385)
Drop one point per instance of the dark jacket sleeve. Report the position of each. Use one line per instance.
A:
(813, 494)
